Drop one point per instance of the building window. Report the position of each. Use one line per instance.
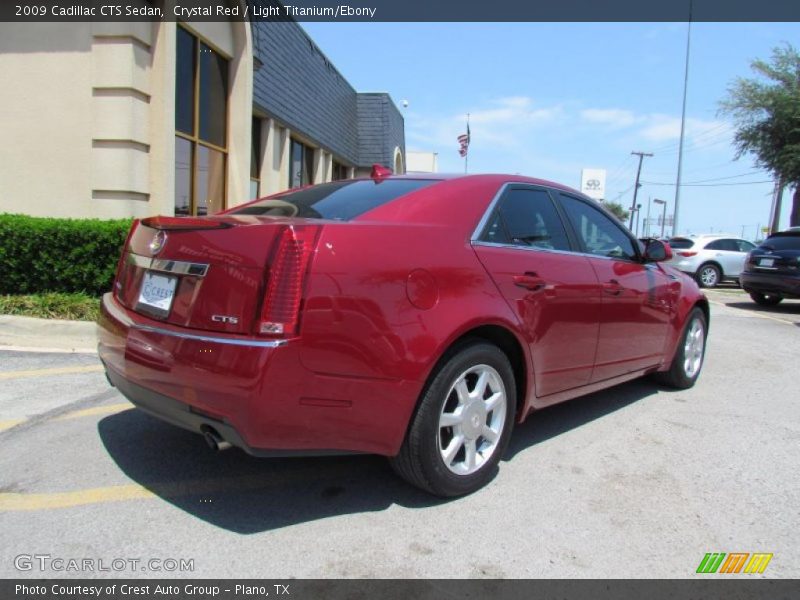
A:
(255, 159)
(201, 123)
(301, 165)
(339, 171)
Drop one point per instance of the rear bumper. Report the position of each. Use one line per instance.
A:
(771, 283)
(254, 393)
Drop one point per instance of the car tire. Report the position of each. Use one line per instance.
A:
(462, 424)
(689, 355)
(708, 275)
(765, 299)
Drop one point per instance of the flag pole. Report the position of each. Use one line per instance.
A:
(466, 156)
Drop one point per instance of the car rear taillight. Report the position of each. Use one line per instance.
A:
(280, 312)
(686, 253)
(117, 276)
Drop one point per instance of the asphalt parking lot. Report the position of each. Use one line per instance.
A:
(636, 481)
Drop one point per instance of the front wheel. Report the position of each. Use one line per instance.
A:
(462, 425)
(765, 299)
(689, 356)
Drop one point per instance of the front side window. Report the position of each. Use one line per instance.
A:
(745, 246)
(201, 117)
(527, 217)
(725, 245)
(599, 234)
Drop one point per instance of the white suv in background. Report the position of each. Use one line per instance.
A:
(710, 258)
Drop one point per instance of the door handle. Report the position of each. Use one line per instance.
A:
(612, 288)
(530, 281)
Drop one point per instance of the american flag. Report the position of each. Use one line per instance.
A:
(463, 139)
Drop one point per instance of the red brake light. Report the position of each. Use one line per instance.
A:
(686, 253)
(379, 172)
(280, 312)
(117, 282)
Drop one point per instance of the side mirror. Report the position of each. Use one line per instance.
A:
(657, 251)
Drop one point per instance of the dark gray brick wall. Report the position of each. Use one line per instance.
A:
(300, 87)
(380, 129)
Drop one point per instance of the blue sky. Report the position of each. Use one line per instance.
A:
(547, 99)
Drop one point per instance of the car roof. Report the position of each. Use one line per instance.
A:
(487, 177)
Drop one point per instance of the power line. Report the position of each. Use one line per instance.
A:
(708, 184)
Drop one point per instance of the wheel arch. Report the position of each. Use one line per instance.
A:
(499, 335)
(714, 263)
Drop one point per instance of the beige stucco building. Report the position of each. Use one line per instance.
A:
(131, 119)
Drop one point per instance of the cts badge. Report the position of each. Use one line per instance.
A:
(225, 319)
(158, 242)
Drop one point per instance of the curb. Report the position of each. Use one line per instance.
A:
(47, 335)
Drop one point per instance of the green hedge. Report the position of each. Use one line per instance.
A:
(39, 255)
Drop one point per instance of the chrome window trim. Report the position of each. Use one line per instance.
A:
(553, 251)
(485, 218)
(177, 267)
(212, 339)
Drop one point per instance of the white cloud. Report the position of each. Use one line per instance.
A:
(614, 117)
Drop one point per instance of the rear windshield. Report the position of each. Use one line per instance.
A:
(782, 242)
(340, 200)
(681, 243)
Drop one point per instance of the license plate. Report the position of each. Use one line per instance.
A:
(766, 262)
(157, 293)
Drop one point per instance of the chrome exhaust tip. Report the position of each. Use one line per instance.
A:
(214, 440)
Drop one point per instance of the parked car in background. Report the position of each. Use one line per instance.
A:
(772, 270)
(416, 317)
(710, 258)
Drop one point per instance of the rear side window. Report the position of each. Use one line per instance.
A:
(727, 245)
(782, 242)
(681, 243)
(339, 200)
(527, 217)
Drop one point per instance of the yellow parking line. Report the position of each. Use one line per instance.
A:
(97, 410)
(54, 371)
(753, 314)
(21, 501)
(24, 502)
(8, 424)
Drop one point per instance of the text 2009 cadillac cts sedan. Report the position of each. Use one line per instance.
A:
(414, 317)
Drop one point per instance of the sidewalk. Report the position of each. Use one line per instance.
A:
(47, 335)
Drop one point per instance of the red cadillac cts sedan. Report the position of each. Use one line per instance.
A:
(417, 317)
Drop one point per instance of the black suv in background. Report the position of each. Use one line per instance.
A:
(772, 271)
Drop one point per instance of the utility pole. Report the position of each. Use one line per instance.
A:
(676, 206)
(641, 156)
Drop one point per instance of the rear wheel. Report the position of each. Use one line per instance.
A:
(688, 359)
(462, 425)
(765, 299)
(709, 276)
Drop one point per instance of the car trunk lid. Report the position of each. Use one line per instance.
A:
(206, 273)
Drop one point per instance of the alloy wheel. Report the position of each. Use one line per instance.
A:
(471, 420)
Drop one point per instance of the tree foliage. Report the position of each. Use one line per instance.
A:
(766, 113)
(618, 210)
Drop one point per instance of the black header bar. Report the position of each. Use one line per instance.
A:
(401, 10)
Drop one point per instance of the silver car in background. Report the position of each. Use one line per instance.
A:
(710, 258)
